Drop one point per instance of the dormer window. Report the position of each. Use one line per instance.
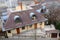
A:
(43, 9)
(17, 19)
(33, 16)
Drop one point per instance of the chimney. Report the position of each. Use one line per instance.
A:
(20, 4)
(36, 1)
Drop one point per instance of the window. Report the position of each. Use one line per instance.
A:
(23, 28)
(9, 31)
(40, 23)
(17, 19)
(53, 35)
(43, 9)
(34, 17)
(30, 26)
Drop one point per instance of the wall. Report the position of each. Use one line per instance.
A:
(19, 7)
(42, 26)
(26, 28)
(13, 31)
(29, 28)
(9, 34)
(38, 25)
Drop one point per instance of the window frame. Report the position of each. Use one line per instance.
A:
(30, 26)
(18, 20)
(34, 16)
(40, 23)
(9, 31)
(23, 27)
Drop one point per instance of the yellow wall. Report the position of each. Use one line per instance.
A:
(23, 30)
(26, 28)
(9, 34)
(38, 25)
(29, 28)
(13, 31)
(42, 25)
(19, 7)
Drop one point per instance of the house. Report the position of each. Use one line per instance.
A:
(19, 21)
(53, 33)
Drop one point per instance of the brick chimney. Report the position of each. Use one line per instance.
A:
(36, 2)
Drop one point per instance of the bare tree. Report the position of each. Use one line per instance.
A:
(54, 13)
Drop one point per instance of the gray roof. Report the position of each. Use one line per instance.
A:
(25, 17)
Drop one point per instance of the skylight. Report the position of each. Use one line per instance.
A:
(17, 19)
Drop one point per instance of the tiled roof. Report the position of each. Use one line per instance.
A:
(25, 17)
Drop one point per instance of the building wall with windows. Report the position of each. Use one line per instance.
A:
(9, 34)
(19, 7)
(25, 28)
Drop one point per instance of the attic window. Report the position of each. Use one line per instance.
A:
(33, 16)
(9, 31)
(43, 9)
(17, 19)
(30, 25)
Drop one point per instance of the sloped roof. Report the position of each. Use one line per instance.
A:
(36, 6)
(25, 17)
